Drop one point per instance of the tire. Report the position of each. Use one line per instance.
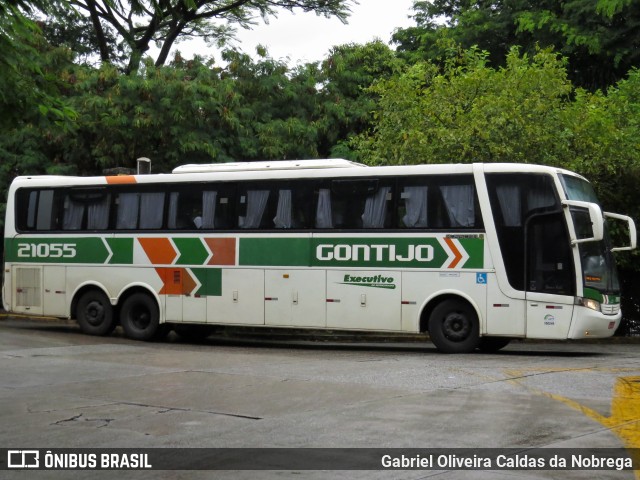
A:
(140, 317)
(493, 344)
(94, 313)
(454, 327)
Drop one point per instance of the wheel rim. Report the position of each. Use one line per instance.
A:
(140, 317)
(94, 313)
(456, 327)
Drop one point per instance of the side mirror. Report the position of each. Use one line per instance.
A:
(633, 238)
(588, 221)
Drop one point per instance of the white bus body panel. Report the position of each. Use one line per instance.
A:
(360, 306)
(295, 298)
(242, 299)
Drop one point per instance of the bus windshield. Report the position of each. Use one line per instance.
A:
(598, 264)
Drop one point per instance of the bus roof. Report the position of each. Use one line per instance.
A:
(283, 169)
(267, 165)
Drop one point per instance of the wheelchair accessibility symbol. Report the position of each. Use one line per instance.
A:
(481, 278)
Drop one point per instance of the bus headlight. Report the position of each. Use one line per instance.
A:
(589, 303)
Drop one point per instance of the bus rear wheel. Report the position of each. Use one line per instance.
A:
(140, 317)
(94, 313)
(454, 327)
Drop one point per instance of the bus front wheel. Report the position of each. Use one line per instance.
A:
(454, 327)
(140, 317)
(94, 313)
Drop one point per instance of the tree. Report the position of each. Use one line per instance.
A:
(31, 94)
(138, 23)
(472, 112)
(601, 39)
(68, 28)
(347, 103)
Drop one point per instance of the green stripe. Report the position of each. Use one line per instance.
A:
(475, 248)
(192, 251)
(284, 252)
(371, 252)
(58, 250)
(122, 249)
(211, 280)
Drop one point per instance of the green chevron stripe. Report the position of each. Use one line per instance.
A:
(211, 280)
(192, 251)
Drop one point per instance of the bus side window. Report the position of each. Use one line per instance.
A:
(144, 210)
(186, 209)
(86, 210)
(376, 212)
(459, 205)
(284, 210)
(324, 215)
(353, 204)
(292, 203)
(253, 204)
(413, 206)
(36, 210)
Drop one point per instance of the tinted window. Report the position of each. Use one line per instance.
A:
(354, 204)
(516, 199)
(438, 202)
(143, 210)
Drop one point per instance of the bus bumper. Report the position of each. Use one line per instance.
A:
(588, 323)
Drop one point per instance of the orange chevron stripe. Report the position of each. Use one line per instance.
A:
(159, 250)
(456, 253)
(176, 281)
(224, 251)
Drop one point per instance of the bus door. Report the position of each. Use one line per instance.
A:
(549, 276)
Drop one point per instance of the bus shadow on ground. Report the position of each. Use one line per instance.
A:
(306, 340)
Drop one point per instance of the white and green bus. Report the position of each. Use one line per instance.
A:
(475, 255)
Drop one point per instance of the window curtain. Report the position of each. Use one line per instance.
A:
(172, 221)
(256, 204)
(73, 214)
(415, 201)
(459, 202)
(510, 204)
(98, 214)
(127, 211)
(323, 211)
(283, 212)
(209, 209)
(540, 199)
(151, 210)
(375, 209)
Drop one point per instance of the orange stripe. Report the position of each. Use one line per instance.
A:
(171, 280)
(224, 251)
(119, 179)
(159, 250)
(176, 281)
(188, 283)
(456, 253)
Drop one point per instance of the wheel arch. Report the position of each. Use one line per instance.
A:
(432, 302)
(81, 290)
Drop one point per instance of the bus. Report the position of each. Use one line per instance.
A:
(475, 254)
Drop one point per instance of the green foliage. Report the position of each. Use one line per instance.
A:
(472, 112)
(347, 103)
(601, 39)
